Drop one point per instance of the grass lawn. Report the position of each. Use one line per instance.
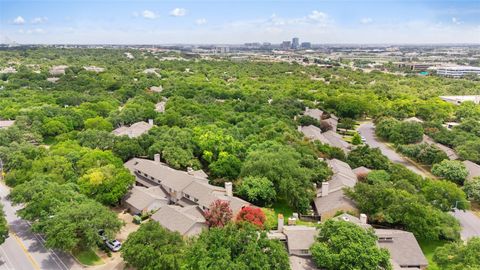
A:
(281, 207)
(87, 257)
(428, 248)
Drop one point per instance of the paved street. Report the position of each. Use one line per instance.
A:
(367, 130)
(470, 223)
(24, 250)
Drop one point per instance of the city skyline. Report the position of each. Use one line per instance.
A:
(235, 22)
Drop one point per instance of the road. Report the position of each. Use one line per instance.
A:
(24, 250)
(468, 220)
(470, 223)
(367, 130)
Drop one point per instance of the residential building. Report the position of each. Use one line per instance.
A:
(6, 123)
(447, 150)
(472, 168)
(160, 106)
(456, 100)
(404, 249)
(413, 119)
(336, 140)
(188, 221)
(314, 113)
(457, 71)
(332, 122)
(330, 197)
(156, 89)
(145, 199)
(188, 193)
(297, 238)
(330, 137)
(94, 69)
(135, 130)
(361, 171)
(58, 70)
(405, 252)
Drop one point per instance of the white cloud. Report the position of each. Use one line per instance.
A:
(455, 20)
(178, 12)
(19, 20)
(318, 16)
(39, 20)
(32, 31)
(148, 14)
(201, 21)
(366, 20)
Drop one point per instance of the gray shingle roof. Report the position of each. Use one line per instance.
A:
(314, 113)
(343, 175)
(195, 185)
(135, 130)
(403, 247)
(179, 219)
(313, 133)
(333, 200)
(447, 150)
(300, 237)
(336, 140)
(141, 197)
(6, 123)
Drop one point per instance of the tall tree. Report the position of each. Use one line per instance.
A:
(344, 245)
(153, 247)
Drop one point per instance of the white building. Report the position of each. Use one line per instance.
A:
(457, 71)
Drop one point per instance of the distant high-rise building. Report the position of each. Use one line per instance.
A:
(306, 45)
(286, 45)
(295, 43)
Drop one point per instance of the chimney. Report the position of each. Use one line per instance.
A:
(190, 170)
(363, 219)
(315, 186)
(229, 189)
(280, 223)
(324, 189)
(156, 158)
(150, 122)
(295, 118)
(299, 128)
(307, 108)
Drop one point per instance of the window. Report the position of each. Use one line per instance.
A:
(304, 251)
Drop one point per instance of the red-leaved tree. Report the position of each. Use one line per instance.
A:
(219, 214)
(253, 215)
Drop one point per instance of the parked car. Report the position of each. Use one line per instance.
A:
(364, 139)
(113, 245)
(102, 235)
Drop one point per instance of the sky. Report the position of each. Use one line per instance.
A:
(239, 21)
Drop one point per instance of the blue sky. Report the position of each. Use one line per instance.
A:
(228, 22)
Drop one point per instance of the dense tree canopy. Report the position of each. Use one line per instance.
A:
(344, 245)
(236, 246)
(459, 256)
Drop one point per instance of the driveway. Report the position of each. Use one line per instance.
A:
(25, 250)
(470, 223)
(367, 130)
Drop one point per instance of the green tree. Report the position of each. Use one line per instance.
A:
(235, 246)
(344, 245)
(459, 256)
(371, 158)
(258, 190)
(76, 225)
(98, 123)
(3, 226)
(472, 189)
(153, 247)
(356, 139)
(445, 195)
(451, 170)
(226, 166)
(106, 184)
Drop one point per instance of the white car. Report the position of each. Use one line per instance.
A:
(364, 139)
(113, 245)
